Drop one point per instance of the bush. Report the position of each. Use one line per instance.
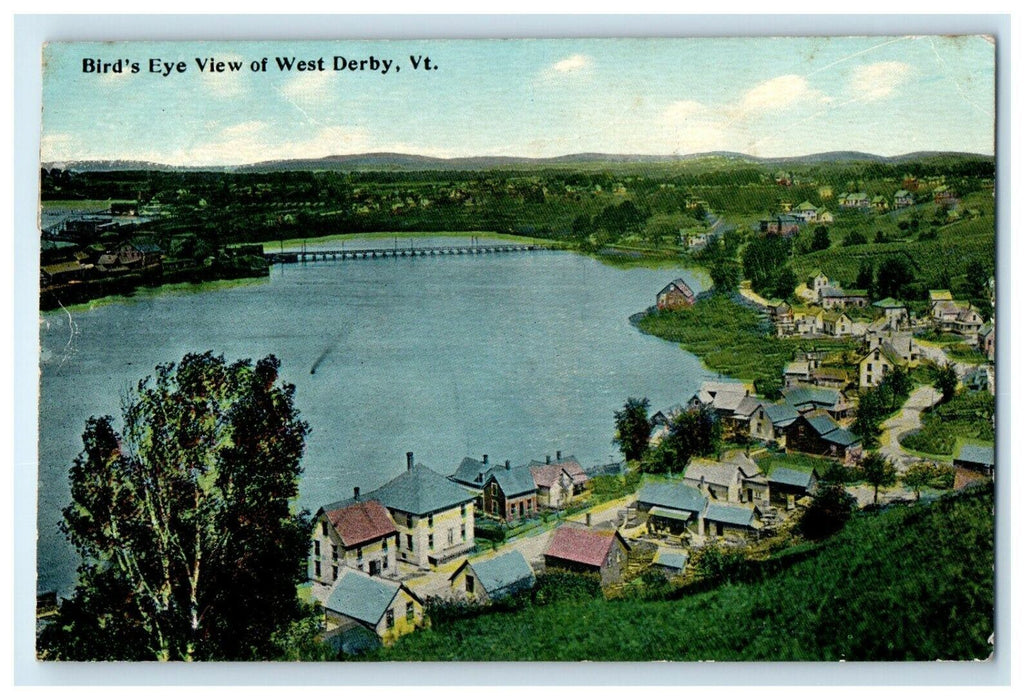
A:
(829, 512)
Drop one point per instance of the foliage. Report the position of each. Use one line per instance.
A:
(877, 403)
(607, 487)
(946, 381)
(893, 275)
(855, 238)
(924, 475)
(694, 432)
(828, 513)
(821, 240)
(841, 474)
(906, 584)
(878, 471)
(182, 520)
(764, 261)
(633, 428)
(865, 277)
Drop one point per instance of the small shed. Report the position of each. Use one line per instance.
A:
(978, 458)
(788, 485)
(486, 580)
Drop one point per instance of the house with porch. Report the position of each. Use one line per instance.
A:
(579, 549)
(492, 578)
(807, 400)
(569, 464)
(737, 479)
(388, 609)
(672, 508)
(836, 298)
(510, 493)
(433, 514)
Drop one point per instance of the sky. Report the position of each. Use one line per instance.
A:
(767, 97)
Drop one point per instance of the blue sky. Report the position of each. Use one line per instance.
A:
(765, 97)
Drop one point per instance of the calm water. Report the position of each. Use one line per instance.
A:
(513, 355)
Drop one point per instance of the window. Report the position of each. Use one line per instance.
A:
(451, 537)
(315, 543)
(390, 619)
(334, 552)
(384, 547)
(325, 529)
(869, 366)
(462, 531)
(469, 583)
(408, 541)
(410, 611)
(462, 511)
(430, 520)
(318, 569)
(359, 555)
(336, 571)
(408, 522)
(430, 542)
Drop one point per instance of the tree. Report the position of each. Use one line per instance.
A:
(821, 240)
(694, 432)
(865, 277)
(893, 275)
(189, 547)
(945, 381)
(855, 238)
(725, 274)
(633, 428)
(925, 475)
(831, 508)
(878, 472)
(869, 412)
(976, 279)
(899, 383)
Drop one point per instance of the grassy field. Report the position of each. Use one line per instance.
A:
(910, 583)
(799, 462)
(730, 338)
(947, 255)
(968, 417)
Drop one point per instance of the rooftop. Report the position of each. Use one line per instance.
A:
(977, 454)
(501, 573)
(730, 514)
(361, 596)
(581, 545)
(421, 491)
(361, 522)
(790, 477)
(673, 495)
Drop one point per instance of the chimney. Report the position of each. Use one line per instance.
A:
(548, 459)
(587, 519)
(485, 459)
(408, 460)
(558, 456)
(356, 493)
(507, 465)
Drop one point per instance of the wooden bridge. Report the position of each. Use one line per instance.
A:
(303, 256)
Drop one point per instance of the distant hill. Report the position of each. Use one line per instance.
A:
(410, 162)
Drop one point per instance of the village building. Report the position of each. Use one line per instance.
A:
(554, 485)
(352, 534)
(494, 578)
(987, 339)
(787, 486)
(780, 225)
(784, 319)
(818, 434)
(749, 419)
(877, 364)
(510, 493)
(782, 417)
(807, 400)
(838, 325)
(836, 298)
(894, 312)
(795, 374)
(737, 479)
(879, 203)
(387, 609)
(806, 211)
(434, 515)
(902, 343)
(672, 508)
(569, 464)
(676, 295)
(670, 562)
(724, 519)
(809, 323)
(817, 281)
(976, 458)
(824, 216)
(944, 196)
(982, 378)
(471, 473)
(854, 200)
(903, 199)
(583, 550)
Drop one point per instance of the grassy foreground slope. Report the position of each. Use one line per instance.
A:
(911, 583)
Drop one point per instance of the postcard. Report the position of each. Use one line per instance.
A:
(518, 350)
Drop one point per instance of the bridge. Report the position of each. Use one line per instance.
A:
(410, 252)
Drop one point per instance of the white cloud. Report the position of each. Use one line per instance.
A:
(572, 64)
(310, 87)
(254, 141)
(778, 94)
(876, 81)
(682, 110)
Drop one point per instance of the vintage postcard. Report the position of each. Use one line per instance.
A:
(518, 350)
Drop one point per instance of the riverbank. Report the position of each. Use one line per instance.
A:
(274, 246)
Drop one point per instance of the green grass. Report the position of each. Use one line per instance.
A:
(800, 462)
(910, 583)
(962, 352)
(957, 245)
(968, 417)
(729, 338)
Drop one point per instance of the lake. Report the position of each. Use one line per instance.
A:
(510, 355)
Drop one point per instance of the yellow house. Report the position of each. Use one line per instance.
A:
(352, 534)
(387, 608)
(433, 514)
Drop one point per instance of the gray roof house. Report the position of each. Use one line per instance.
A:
(976, 458)
(421, 491)
(493, 578)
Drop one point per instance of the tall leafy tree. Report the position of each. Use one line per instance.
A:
(945, 380)
(893, 275)
(694, 432)
(878, 472)
(633, 428)
(183, 521)
(924, 475)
